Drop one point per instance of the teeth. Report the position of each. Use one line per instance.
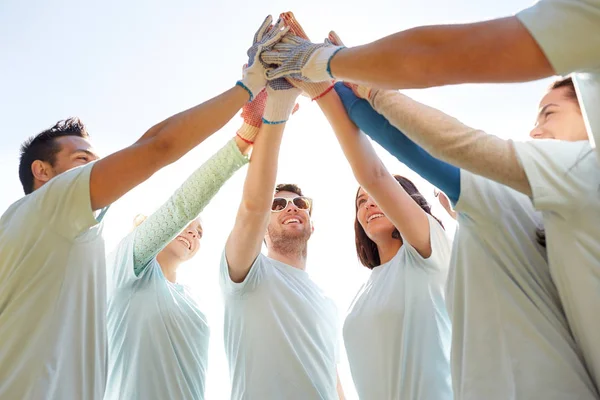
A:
(372, 217)
(289, 221)
(184, 241)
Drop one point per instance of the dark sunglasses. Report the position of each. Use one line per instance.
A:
(280, 203)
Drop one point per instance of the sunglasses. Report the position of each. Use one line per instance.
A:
(281, 203)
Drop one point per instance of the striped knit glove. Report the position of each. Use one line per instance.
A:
(312, 90)
(254, 74)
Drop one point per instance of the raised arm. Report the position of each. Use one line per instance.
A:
(244, 242)
(166, 142)
(406, 215)
(187, 202)
(450, 140)
(439, 173)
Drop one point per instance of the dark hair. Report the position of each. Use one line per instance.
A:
(365, 247)
(569, 85)
(43, 147)
(288, 187)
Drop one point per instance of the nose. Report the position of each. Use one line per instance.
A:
(291, 207)
(369, 203)
(536, 132)
(192, 233)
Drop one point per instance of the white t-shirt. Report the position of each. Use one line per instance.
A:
(397, 332)
(565, 181)
(53, 294)
(281, 334)
(157, 335)
(569, 34)
(510, 338)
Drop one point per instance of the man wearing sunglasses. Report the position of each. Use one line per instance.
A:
(280, 329)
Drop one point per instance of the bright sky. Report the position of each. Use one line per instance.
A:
(124, 66)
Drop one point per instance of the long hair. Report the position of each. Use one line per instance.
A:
(366, 249)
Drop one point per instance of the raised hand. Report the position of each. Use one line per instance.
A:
(281, 101)
(314, 90)
(254, 74)
(300, 59)
(252, 113)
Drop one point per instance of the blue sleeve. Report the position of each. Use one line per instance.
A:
(444, 176)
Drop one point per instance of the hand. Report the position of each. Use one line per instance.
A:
(300, 59)
(280, 102)
(252, 113)
(312, 90)
(254, 74)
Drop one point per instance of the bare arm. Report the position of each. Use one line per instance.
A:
(450, 140)
(500, 50)
(163, 144)
(406, 215)
(244, 242)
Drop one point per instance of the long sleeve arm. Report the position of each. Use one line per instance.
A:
(444, 176)
(185, 204)
(450, 140)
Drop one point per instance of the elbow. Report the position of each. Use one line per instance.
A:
(372, 178)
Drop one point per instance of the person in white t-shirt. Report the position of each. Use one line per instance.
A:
(397, 332)
(551, 37)
(52, 260)
(281, 330)
(157, 334)
(560, 173)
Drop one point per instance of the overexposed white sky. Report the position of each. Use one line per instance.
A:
(123, 66)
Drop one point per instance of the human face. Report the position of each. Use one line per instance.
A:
(374, 222)
(74, 152)
(291, 222)
(187, 243)
(559, 117)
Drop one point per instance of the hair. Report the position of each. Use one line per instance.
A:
(366, 249)
(43, 147)
(288, 187)
(569, 85)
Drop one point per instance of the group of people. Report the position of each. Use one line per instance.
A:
(507, 311)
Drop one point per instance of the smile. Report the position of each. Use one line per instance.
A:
(185, 241)
(291, 221)
(374, 216)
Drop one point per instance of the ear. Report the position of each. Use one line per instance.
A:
(312, 227)
(42, 172)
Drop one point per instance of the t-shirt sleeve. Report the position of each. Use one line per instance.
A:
(568, 31)
(560, 173)
(253, 279)
(65, 204)
(439, 259)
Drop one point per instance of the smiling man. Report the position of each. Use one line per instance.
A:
(281, 331)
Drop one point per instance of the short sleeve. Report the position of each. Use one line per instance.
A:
(588, 93)
(568, 31)
(439, 259)
(64, 201)
(253, 279)
(561, 174)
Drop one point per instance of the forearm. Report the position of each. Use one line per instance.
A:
(447, 139)
(181, 132)
(260, 180)
(500, 50)
(186, 203)
(444, 176)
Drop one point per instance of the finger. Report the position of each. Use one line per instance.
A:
(275, 36)
(335, 39)
(263, 28)
(295, 28)
(272, 57)
(293, 40)
(296, 108)
(279, 72)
